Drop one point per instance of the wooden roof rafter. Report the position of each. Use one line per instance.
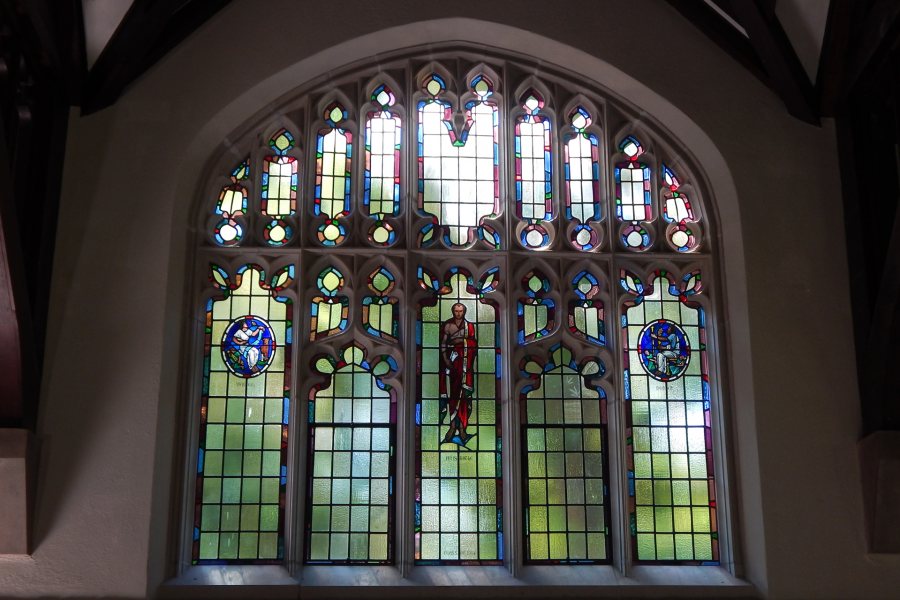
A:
(786, 73)
(148, 31)
(750, 32)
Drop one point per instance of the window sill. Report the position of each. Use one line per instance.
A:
(445, 581)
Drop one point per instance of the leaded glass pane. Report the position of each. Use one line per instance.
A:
(381, 193)
(279, 188)
(459, 181)
(350, 495)
(683, 232)
(564, 466)
(334, 151)
(534, 172)
(632, 183)
(329, 312)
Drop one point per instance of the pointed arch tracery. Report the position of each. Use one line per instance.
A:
(476, 246)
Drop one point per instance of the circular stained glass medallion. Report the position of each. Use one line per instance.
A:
(664, 350)
(382, 234)
(248, 346)
(331, 233)
(228, 232)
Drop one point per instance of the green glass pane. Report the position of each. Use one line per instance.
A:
(209, 546)
(701, 520)
(537, 491)
(216, 409)
(231, 516)
(663, 515)
(681, 492)
(536, 466)
(680, 468)
(596, 518)
(212, 490)
(558, 546)
(665, 547)
(596, 546)
(209, 520)
(539, 546)
(215, 435)
(269, 491)
(268, 518)
(699, 493)
(681, 517)
(646, 546)
(231, 490)
(268, 545)
(703, 547)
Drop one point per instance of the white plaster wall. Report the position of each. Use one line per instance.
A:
(109, 422)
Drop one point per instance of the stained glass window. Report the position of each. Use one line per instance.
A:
(459, 179)
(682, 232)
(425, 320)
(633, 195)
(329, 312)
(534, 171)
(334, 150)
(537, 315)
(232, 206)
(582, 175)
(672, 494)
(586, 312)
(564, 431)
(381, 194)
(352, 435)
(242, 456)
(279, 188)
(380, 311)
(458, 509)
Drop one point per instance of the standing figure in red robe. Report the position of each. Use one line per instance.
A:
(458, 350)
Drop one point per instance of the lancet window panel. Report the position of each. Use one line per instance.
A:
(458, 159)
(671, 472)
(581, 142)
(534, 169)
(565, 465)
(241, 457)
(383, 173)
(351, 410)
(684, 230)
(352, 441)
(439, 286)
(459, 494)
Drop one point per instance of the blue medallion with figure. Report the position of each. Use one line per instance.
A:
(248, 346)
(664, 350)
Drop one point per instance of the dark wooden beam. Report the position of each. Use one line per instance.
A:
(843, 16)
(880, 405)
(774, 49)
(69, 21)
(34, 109)
(860, 299)
(183, 22)
(51, 37)
(121, 60)
(876, 40)
(18, 383)
(722, 33)
(149, 29)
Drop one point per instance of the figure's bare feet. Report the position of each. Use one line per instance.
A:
(448, 439)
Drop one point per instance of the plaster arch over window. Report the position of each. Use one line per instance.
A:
(613, 240)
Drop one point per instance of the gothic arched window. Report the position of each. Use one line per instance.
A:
(451, 309)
